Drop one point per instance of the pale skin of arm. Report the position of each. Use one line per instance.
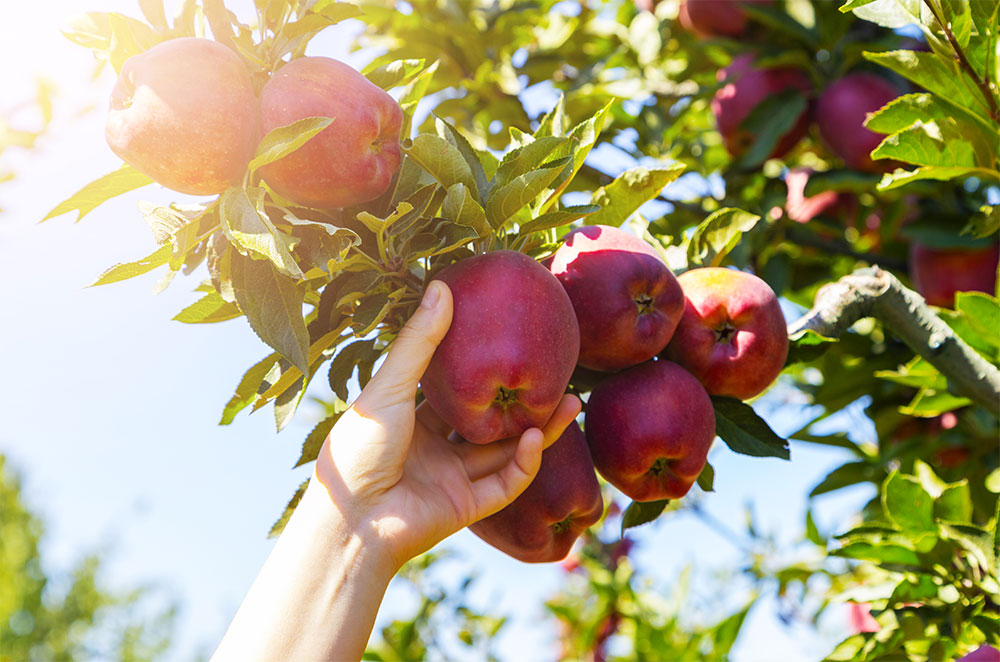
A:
(388, 485)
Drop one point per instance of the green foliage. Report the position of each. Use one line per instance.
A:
(83, 621)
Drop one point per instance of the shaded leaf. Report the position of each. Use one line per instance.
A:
(744, 431)
(638, 513)
(279, 526)
(344, 363)
(717, 235)
(209, 309)
(388, 76)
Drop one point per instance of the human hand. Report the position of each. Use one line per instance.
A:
(390, 469)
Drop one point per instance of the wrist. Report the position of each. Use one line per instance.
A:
(335, 524)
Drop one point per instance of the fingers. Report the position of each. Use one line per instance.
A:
(404, 365)
(482, 460)
(494, 491)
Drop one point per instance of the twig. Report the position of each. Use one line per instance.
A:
(983, 86)
(874, 292)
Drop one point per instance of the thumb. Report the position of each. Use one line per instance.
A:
(413, 348)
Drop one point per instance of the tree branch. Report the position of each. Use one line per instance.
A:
(875, 292)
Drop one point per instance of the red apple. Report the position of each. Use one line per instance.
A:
(828, 203)
(718, 18)
(860, 619)
(938, 273)
(984, 653)
(841, 113)
(732, 336)
(505, 362)
(563, 500)
(351, 161)
(627, 301)
(649, 430)
(184, 113)
(746, 87)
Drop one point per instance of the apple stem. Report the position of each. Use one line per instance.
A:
(874, 292)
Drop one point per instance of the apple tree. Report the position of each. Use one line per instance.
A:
(847, 156)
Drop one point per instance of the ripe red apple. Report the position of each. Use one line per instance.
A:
(984, 653)
(351, 161)
(513, 342)
(732, 336)
(564, 499)
(627, 301)
(649, 430)
(717, 18)
(938, 273)
(184, 113)
(747, 86)
(841, 113)
(860, 619)
(828, 203)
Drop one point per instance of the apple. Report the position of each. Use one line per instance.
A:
(938, 273)
(351, 161)
(505, 362)
(185, 114)
(984, 653)
(563, 500)
(860, 619)
(649, 430)
(745, 87)
(732, 336)
(841, 113)
(626, 299)
(802, 209)
(717, 18)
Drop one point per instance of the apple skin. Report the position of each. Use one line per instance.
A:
(626, 299)
(649, 429)
(351, 161)
(185, 113)
(715, 18)
(746, 87)
(563, 500)
(840, 116)
(938, 273)
(984, 653)
(507, 358)
(732, 336)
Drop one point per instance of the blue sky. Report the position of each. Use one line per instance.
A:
(111, 408)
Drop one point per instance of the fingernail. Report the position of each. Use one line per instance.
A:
(431, 296)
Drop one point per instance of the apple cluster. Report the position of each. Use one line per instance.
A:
(655, 346)
(186, 113)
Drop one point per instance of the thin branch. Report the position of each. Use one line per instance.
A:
(876, 293)
(963, 61)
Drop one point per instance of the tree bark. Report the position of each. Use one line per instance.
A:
(874, 292)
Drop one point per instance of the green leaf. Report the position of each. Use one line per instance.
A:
(629, 191)
(993, 482)
(120, 272)
(101, 190)
(881, 553)
(347, 359)
(906, 110)
(252, 233)
(887, 13)
(249, 386)
(768, 122)
(638, 513)
(893, 180)
(279, 526)
(394, 74)
(507, 200)
(527, 158)
(744, 431)
(929, 403)
(937, 76)
(981, 311)
(929, 143)
(473, 157)
(282, 141)
(955, 503)
(273, 305)
(558, 218)
(209, 309)
(984, 223)
(846, 475)
(717, 235)
(459, 206)
(807, 345)
(812, 532)
(907, 504)
(441, 159)
(706, 479)
(555, 122)
(314, 441)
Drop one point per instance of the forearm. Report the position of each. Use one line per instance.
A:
(316, 597)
